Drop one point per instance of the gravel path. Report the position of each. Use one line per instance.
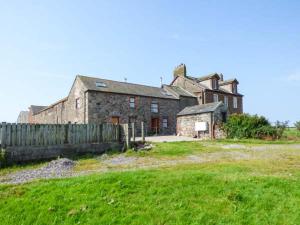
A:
(54, 169)
(65, 167)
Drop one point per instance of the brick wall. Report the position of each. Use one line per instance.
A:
(231, 109)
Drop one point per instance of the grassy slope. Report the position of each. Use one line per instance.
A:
(246, 192)
(241, 192)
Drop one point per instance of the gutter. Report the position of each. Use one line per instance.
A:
(84, 108)
(211, 126)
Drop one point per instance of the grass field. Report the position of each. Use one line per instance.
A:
(292, 134)
(246, 191)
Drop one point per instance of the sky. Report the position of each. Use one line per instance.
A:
(45, 44)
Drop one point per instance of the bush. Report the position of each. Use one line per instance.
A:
(297, 125)
(253, 126)
(280, 128)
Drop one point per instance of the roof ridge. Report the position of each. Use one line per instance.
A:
(119, 81)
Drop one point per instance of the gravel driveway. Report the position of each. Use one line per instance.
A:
(65, 167)
(170, 138)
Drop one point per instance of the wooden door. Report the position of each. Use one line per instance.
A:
(155, 125)
(115, 120)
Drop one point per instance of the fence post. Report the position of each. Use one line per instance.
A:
(68, 138)
(118, 132)
(133, 131)
(143, 131)
(8, 134)
(3, 135)
(127, 136)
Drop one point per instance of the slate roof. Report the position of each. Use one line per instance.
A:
(228, 81)
(208, 77)
(50, 106)
(125, 88)
(198, 109)
(36, 108)
(179, 91)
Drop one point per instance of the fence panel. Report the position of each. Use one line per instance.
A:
(12, 134)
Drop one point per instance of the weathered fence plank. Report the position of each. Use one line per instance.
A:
(12, 134)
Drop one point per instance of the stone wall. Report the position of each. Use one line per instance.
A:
(56, 114)
(103, 106)
(186, 125)
(23, 154)
(187, 101)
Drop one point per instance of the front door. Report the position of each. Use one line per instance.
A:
(155, 125)
(115, 120)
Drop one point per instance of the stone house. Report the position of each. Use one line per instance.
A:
(32, 111)
(97, 100)
(23, 117)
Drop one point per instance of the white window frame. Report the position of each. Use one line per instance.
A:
(154, 107)
(234, 88)
(165, 122)
(132, 102)
(226, 100)
(214, 84)
(235, 102)
(216, 98)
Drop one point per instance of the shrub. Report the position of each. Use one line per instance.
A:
(297, 125)
(252, 126)
(280, 128)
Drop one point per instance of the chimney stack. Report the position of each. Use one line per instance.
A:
(221, 77)
(180, 71)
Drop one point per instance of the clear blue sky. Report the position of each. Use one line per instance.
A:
(44, 44)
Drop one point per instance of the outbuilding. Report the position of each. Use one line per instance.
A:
(202, 121)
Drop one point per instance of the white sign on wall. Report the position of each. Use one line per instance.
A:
(201, 126)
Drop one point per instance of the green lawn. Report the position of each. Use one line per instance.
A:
(242, 192)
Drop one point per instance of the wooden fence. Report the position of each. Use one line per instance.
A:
(48, 134)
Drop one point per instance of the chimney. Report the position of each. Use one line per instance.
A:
(180, 71)
(221, 77)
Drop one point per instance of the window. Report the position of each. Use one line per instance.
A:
(154, 107)
(216, 99)
(132, 119)
(214, 84)
(77, 103)
(224, 117)
(234, 88)
(235, 103)
(226, 100)
(132, 102)
(100, 84)
(165, 123)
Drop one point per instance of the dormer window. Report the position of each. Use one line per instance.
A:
(214, 84)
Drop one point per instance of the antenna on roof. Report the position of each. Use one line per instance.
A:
(161, 81)
(125, 79)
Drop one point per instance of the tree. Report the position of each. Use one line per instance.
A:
(297, 125)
